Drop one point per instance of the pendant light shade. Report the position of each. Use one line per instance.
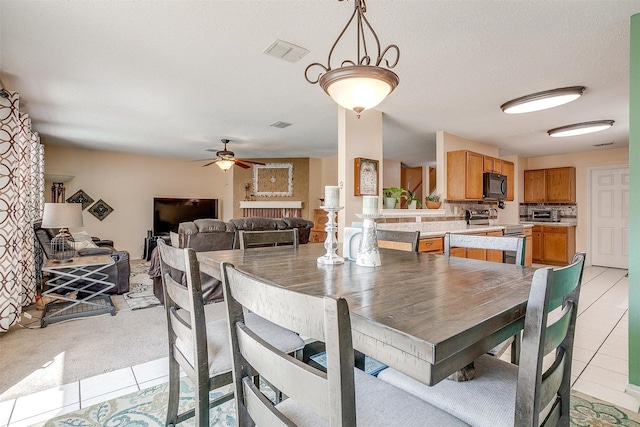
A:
(359, 87)
(362, 83)
(580, 128)
(542, 100)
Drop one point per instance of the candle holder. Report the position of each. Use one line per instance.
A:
(331, 242)
(368, 255)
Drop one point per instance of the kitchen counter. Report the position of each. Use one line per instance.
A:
(440, 228)
(547, 223)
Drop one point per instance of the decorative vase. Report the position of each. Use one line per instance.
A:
(433, 205)
(412, 204)
(389, 202)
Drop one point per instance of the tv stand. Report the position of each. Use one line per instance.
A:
(150, 243)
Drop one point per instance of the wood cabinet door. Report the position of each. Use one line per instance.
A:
(508, 170)
(459, 252)
(473, 188)
(555, 247)
(534, 186)
(432, 245)
(560, 184)
(491, 164)
(537, 247)
(480, 254)
(491, 255)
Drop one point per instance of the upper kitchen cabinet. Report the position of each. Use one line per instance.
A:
(492, 164)
(550, 185)
(509, 170)
(464, 175)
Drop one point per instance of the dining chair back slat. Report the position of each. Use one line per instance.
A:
(397, 239)
(501, 243)
(252, 239)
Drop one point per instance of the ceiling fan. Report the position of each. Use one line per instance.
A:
(226, 159)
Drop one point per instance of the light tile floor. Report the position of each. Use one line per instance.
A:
(600, 362)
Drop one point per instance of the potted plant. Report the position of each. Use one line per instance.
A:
(412, 201)
(433, 201)
(392, 195)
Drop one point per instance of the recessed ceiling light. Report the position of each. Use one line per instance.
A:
(581, 128)
(542, 100)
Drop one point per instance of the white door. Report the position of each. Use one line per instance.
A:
(609, 217)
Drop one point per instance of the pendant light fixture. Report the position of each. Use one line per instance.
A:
(362, 83)
(581, 128)
(542, 100)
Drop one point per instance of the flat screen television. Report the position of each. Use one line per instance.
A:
(169, 212)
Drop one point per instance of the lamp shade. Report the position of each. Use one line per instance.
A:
(62, 215)
(359, 87)
(225, 165)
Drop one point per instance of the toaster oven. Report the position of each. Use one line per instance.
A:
(545, 215)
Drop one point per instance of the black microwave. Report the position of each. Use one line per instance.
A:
(494, 186)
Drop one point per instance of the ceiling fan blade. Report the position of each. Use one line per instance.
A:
(242, 165)
(251, 161)
(199, 160)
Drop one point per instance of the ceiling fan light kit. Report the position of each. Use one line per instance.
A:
(580, 128)
(226, 159)
(542, 100)
(358, 85)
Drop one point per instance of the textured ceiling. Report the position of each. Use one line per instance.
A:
(172, 78)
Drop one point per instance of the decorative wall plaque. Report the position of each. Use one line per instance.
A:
(273, 180)
(365, 177)
(81, 197)
(100, 210)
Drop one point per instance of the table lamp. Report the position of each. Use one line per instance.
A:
(62, 216)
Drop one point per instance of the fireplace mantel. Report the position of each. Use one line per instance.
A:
(271, 208)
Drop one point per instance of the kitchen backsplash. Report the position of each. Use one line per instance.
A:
(566, 210)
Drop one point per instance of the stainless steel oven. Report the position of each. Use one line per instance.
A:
(509, 257)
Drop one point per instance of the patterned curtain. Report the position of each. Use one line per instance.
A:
(21, 202)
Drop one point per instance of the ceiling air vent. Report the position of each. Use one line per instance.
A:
(285, 51)
(280, 125)
(604, 144)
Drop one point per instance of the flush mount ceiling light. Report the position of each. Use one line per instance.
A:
(358, 85)
(581, 128)
(542, 100)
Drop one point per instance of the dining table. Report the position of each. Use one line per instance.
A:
(425, 315)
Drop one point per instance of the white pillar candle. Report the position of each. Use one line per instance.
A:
(370, 205)
(332, 196)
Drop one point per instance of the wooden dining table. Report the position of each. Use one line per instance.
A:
(425, 315)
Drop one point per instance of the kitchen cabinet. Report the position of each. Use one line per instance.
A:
(432, 245)
(491, 164)
(508, 170)
(481, 254)
(528, 246)
(495, 256)
(464, 175)
(553, 244)
(550, 185)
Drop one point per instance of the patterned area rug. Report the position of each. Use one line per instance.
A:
(147, 408)
(140, 293)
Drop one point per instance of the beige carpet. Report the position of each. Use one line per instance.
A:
(37, 359)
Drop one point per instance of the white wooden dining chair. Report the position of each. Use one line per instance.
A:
(201, 348)
(398, 239)
(249, 239)
(503, 394)
(343, 396)
(501, 243)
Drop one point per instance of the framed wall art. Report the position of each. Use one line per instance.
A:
(366, 177)
(81, 197)
(273, 180)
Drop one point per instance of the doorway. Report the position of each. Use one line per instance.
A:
(411, 179)
(609, 213)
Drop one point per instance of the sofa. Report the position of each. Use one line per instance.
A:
(118, 273)
(215, 235)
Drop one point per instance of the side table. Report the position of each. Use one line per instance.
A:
(86, 276)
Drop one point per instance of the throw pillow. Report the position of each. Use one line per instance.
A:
(83, 244)
(81, 236)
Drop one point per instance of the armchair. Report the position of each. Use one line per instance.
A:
(118, 273)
